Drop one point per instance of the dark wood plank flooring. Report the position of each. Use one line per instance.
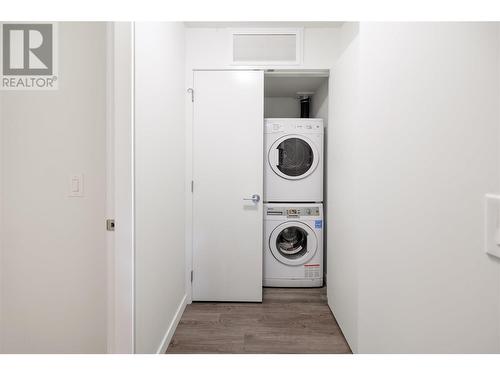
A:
(289, 320)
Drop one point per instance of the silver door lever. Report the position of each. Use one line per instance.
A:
(255, 198)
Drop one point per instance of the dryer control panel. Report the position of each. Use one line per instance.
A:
(293, 211)
(294, 125)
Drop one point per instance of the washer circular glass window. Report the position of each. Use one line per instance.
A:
(293, 243)
(293, 157)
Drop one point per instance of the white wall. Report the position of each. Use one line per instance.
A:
(289, 106)
(54, 253)
(419, 160)
(343, 206)
(160, 185)
(275, 106)
(319, 103)
(210, 48)
(435, 153)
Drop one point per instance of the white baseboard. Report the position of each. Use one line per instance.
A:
(173, 325)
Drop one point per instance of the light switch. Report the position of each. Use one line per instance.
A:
(492, 237)
(76, 185)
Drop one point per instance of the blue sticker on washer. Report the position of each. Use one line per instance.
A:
(318, 223)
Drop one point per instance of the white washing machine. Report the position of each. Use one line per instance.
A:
(293, 245)
(293, 170)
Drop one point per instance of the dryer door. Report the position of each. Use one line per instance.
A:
(293, 243)
(293, 157)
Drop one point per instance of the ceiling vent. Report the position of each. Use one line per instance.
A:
(265, 47)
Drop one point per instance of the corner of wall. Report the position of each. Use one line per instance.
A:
(342, 194)
(160, 145)
(188, 111)
(173, 326)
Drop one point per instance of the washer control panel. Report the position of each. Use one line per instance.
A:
(292, 211)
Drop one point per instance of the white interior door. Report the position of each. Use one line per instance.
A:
(227, 172)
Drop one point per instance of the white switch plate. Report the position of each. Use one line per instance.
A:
(75, 188)
(492, 240)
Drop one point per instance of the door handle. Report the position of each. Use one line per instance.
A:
(255, 198)
(277, 156)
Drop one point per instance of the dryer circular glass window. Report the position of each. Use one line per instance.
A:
(293, 243)
(293, 157)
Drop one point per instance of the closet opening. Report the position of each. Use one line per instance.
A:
(295, 125)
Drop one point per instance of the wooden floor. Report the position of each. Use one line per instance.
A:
(287, 321)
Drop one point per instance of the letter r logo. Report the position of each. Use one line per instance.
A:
(27, 49)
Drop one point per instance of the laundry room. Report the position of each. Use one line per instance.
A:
(254, 187)
(281, 103)
(274, 260)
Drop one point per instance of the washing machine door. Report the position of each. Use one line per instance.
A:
(293, 157)
(293, 243)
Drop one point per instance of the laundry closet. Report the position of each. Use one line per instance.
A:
(295, 110)
(258, 119)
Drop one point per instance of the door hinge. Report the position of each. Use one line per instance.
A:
(192, 186)
(110, 225)
(191, 91)
(191, 276)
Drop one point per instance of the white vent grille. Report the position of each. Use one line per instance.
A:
(265, 47)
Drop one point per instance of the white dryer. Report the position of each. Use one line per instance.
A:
(293, 170)
(293, 245)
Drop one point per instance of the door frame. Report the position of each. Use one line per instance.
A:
(120, 186)
(283, 71)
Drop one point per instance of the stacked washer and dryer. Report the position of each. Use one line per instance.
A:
(293, 197)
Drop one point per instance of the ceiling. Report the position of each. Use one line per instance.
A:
(289, 86)
(250, 24)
